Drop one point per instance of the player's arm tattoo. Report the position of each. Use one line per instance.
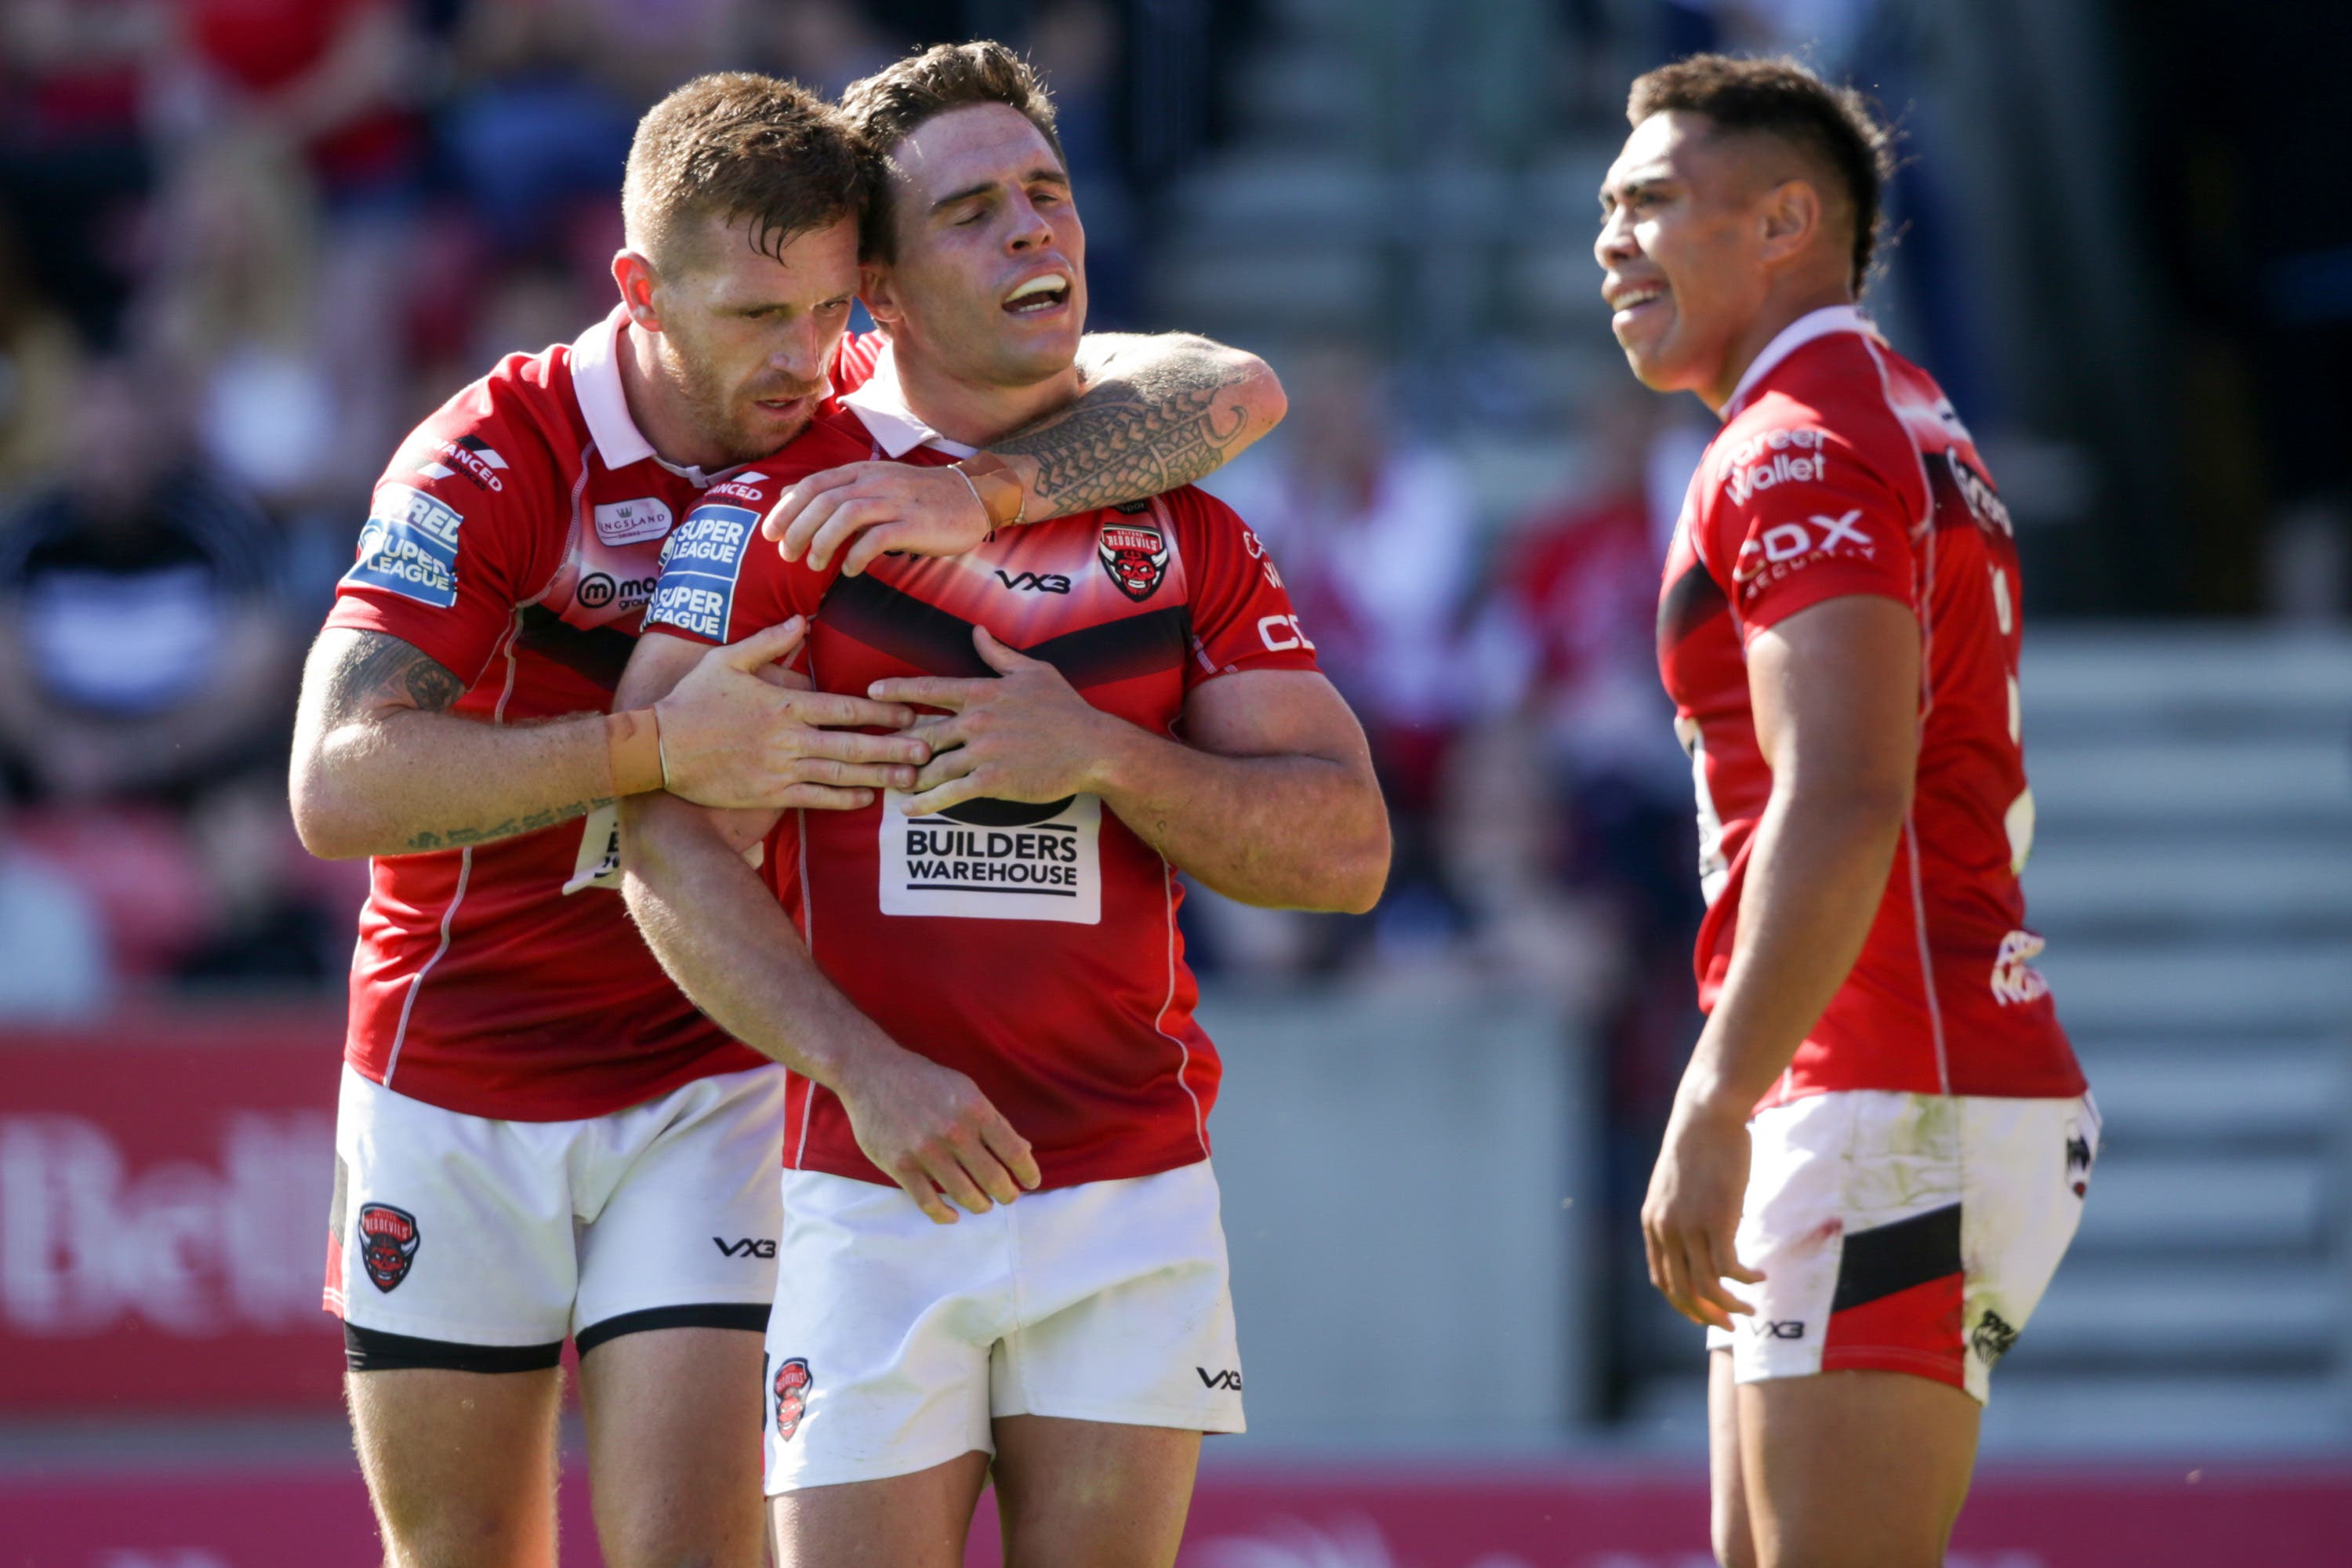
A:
(1148, 425)
(380, 672)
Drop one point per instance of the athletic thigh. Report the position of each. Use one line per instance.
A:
(1728, 1527)
(672, 1458)
(1092, 1494)
(918, 1521)
(1854, 1469)
(461, 1466)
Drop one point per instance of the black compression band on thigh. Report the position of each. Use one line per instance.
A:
(372, 1350)
(751, 1315)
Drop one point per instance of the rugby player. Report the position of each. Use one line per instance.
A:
(1879, 1150)
(1115, 695)
(538, 1136)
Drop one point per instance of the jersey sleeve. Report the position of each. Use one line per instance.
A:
(720, 581)
(1242, 614)
(458, 533)
(1791, 515)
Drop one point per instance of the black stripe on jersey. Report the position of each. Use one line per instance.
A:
(599, 653)
(1695, 598)
(896, 622)
(1886, 1258)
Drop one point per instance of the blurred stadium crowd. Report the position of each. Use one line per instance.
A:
(246, 243)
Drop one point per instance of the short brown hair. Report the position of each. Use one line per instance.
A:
(1782, 98)
(733, 145)
(886, 107)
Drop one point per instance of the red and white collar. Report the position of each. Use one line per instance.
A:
(596, 384)
(1812, 324)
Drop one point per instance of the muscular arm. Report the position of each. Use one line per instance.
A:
(381, 767)
(1835, 690)
(1157, 413)
(1269, 799)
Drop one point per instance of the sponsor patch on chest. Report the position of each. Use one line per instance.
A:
(994, 860)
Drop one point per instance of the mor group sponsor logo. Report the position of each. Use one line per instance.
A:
(793, 1381)
(600, 589)
(388, 1240)
(1136, 556)
(409, 546)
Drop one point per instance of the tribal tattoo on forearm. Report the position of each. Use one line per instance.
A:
(1121, 444)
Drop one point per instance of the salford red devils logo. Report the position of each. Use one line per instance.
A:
(793, 1382)
(387, 1243)
(1136, 557)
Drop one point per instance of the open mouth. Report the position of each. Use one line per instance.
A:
(1630, 300)
(784, 407)
(1040, 296)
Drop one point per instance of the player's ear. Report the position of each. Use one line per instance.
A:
(1790, 217)
(878, 289)
(633, 273)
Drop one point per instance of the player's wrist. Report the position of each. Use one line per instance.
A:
(998, 487)
(633, 750)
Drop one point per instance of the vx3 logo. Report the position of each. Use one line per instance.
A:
(745, 1248)
(1031, 583)
(1781, 1329)
(1229, 1380)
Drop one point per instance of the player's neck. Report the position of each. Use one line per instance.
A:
(659, 408)
(1781, 310)
(976, 414)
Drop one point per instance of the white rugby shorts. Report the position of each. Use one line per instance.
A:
(1904, 1232)
(895, 1343)
(473, 1232)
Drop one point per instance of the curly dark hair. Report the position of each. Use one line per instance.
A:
(888, 106)
(1781, 97)
(736, 144)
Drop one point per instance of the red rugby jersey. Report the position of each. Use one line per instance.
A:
(1841, 468)
(516, 538)
(1032, 947)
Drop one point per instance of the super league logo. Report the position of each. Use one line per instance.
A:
(388, 1238)
(793, 1381)
(1136, 557)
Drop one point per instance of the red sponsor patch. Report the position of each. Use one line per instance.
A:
(388, 1238)
(1136, 557)
(793, 1381)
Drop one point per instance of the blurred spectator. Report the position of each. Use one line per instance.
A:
(144, 646)
(37, 357)
(74, 163)
(1373, 532)
(1076, 45)
(53, 960)
(824, 45)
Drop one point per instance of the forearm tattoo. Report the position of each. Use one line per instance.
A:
(458, 837)
(1126, 441)
(379, 671)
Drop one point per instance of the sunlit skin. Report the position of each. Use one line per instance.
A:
(981, 208)
(1709, 245)
(725, 355)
